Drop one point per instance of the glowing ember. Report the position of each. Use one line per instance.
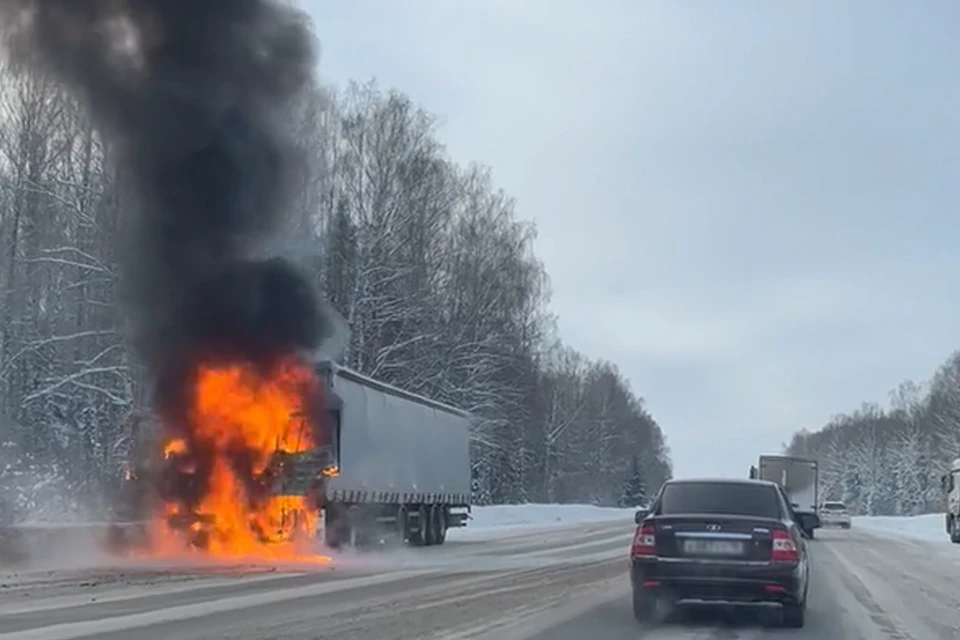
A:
(240, 417)
(175, 447)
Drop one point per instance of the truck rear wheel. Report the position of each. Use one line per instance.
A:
(333, 527)
(419, 537)
(433, 525)
(440, 525)
(403, 524)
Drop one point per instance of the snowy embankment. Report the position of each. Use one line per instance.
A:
(929, 526)
(495, 521)
(505, 517)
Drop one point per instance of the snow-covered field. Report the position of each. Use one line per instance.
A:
(929, 526)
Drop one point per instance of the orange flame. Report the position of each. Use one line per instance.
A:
(240, 417)
(175, 447)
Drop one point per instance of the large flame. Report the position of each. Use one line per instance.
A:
(240, 417)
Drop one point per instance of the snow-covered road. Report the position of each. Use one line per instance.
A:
(474, 579)
(564, 581)
(865, 587)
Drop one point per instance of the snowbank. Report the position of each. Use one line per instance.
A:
(512, 517)
(929, 526)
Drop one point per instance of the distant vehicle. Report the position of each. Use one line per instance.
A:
(834, 514)
(799, 478)
(720, 542)
(951, 486)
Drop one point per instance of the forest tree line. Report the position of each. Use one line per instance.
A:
(888, 460)
(426, 259)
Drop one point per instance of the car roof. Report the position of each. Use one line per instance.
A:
(740, 481)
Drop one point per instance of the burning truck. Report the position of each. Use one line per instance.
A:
(275, 459)
(256, 446)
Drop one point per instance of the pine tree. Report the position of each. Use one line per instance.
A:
(634, 489)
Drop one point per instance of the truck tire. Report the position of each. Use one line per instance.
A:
(418, 538)
(954, 531)
(333, 527)
(353, 532)
(431, 528)
(441, 524)
(403, 524)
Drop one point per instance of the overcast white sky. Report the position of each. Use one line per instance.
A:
(749, 206)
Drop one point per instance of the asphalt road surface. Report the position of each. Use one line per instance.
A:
(563, 584)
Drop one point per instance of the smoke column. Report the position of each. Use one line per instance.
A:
(191, 96)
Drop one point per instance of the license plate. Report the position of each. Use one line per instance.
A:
(713, 547)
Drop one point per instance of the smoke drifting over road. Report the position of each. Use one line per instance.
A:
(191, 96)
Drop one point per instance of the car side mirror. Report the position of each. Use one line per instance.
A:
(641, 515)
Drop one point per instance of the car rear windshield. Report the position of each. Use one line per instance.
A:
(730, 498)
(834, 506)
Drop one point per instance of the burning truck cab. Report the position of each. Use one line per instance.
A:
(305, 472)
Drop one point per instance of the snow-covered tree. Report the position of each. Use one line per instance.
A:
(888, 460)
(634, 488)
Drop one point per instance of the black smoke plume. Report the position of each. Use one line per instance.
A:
(191, 96)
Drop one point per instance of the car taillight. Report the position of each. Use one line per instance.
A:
(784, 548)
(644, 542)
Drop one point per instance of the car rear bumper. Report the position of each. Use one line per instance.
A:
(718, 583)
(827, 521)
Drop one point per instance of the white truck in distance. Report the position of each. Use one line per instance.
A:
(951, 486)
(799, 478)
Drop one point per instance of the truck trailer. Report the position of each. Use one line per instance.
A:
(402, 463)
(799, 478)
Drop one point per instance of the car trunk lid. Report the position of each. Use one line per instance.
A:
(715, 537)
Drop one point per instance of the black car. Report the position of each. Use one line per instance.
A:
(724, 542)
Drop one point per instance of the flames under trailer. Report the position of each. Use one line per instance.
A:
(799, 478)
(392, 464)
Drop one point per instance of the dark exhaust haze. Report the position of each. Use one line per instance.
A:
(191, 95)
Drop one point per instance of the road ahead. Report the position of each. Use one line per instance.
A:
(562, 584)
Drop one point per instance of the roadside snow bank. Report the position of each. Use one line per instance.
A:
(929, 526)
(511, 517)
